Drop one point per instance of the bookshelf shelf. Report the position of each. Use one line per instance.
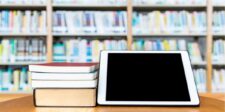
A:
(203, 63)
(20, 63)
(23, 34)
(89, 35)
(219, 34)
(218, 63)
(219, 6)
(21, 6)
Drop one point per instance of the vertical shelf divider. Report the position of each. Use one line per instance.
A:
(129, 24)
(209, 46)
(49, 31)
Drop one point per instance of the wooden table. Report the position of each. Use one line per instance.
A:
(25, 104)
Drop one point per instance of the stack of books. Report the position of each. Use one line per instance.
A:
(75, 83)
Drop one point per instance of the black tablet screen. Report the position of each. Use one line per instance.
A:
(146, 77)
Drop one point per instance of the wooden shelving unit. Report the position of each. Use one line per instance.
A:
(129, 7)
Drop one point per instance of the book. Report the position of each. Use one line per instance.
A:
(156, 44)
(64, 84)
(70, 97)
(169, 2)
(89, 22)
(14, 79)
(218, 2)
(169, 22)
(218, 52)
(218, 21)
(93, 2)
(24, 2)
(17, 21)
(63, 76)
(64, 67)
(218, 80)
(27, 49)
(83, 50)
(200, 79)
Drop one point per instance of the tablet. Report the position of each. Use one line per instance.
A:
(160, 78)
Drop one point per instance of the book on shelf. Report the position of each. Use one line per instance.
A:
(15, 79)
(82, 50)
(169, 2)
(169, 22)
(89, 22)
(218, 2)
(92, 2)
(70, 97)
(218, 53)
(16, 21)
(200, 79)
(156, 44)
(219, 21)
(24, 2)
(218, 80)
(22, 50)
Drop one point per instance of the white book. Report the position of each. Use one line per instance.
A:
(63, 76)
(64, 84)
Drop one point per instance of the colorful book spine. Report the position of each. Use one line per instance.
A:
(82, 50)
(23, 2)
(218, 54)
(169, 22)
(89, 22)
(23, 21)
(14, 79)
(200, 79)
(218, 80)
(219, 21)
(87, 2)
(170, 45)
(169, 2)
(22, 50)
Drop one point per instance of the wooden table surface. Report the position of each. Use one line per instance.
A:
(25, 104)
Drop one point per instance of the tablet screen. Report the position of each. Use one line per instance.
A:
(146, 77)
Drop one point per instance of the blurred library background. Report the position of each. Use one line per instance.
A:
(39, 31)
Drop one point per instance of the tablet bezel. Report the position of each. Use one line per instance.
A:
(189, 78)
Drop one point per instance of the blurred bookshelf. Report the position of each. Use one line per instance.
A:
(124, 21)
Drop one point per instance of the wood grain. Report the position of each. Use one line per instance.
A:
(209, 46)
(25, 104)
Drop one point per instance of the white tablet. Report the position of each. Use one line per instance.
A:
(160, 78)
